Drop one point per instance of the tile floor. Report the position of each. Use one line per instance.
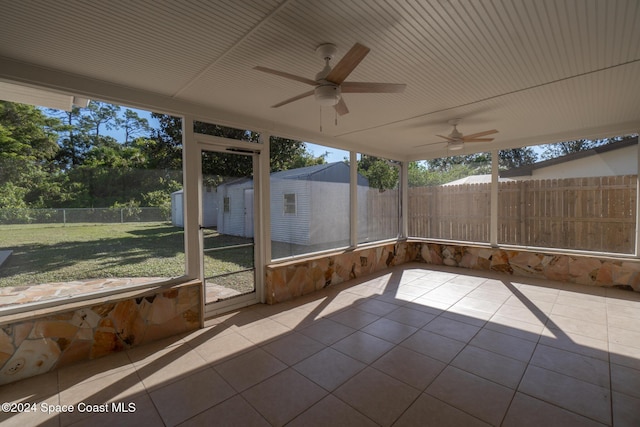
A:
(414, 345)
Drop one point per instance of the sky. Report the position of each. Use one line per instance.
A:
(335, 155)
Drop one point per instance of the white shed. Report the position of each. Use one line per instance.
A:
(209, 208)
(309, 206)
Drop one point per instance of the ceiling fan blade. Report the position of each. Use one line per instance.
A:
(286, 75)
(341, 107)
(477, 139)
(347, 64)
(430, 143)
(365, 87)
(447, 138)
(295, 98)
(486, 132)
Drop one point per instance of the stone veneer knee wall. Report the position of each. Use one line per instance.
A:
(43, 340)
(292, 279)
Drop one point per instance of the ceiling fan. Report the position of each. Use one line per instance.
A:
(456, 140)
(330, 82)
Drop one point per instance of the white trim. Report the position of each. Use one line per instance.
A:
(404, 200)
(493, 221)
(353, 199)
(637, 252)
(191, 200)
(265, 199)
(227, 145)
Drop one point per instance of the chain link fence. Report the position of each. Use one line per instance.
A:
(83, 215)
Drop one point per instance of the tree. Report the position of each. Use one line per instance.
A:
(381, 173)
(99, 115)
(516, 157)
(133, 125)
(165, 149)
(559, 149)
(27, 149)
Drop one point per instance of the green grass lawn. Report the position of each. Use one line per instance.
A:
(57, 253)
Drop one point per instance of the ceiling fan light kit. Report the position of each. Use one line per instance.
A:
(327, 95)
(456, 145)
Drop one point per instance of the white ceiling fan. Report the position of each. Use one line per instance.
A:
(456, 140)
(330, 82)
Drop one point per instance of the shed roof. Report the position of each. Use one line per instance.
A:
(327, 172)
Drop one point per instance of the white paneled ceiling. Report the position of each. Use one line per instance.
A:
(537, 70)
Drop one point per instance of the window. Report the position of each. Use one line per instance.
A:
(226, 204)
(123, 179)
(566, 197)
(309, 198)
(378, 199)
(290, 204)
(450, 198)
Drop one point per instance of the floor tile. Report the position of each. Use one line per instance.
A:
(575, 343)
(232, 412)
(141, 412)
(264, 331)
(429, 411)
(626, 412)
(567, 392)
(223, 348)
(479, 397)
(581, 327)
(327, 331)
(587, 314)
(363, 347)
(377, 307)
(190, 395)
(414, 291)
(516, 328)
(249, 368)
(410, 367)
(354, 318)
(389, 330)
(492, 366)
(294, 319)
(169, 365)
(452, 329)
(410, 316)
(624, 337)
(584, 368)
(94, 369)
(503, 344)
(572, 352)
(527, 411)
(284, 396)
(329, 368)
(625, 355)
(433, 345)
(383, 408)
(333, 412)
(293, 348)
(524, 313)
(478, 304)
(487, 294)
(467, 315)
(38, 390)
(123, 385)
(625, 380)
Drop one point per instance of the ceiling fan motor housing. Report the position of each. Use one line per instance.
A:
(327, 94)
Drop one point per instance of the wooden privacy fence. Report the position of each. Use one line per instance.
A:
(593, 214)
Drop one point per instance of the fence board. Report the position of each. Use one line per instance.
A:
(595, 213)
